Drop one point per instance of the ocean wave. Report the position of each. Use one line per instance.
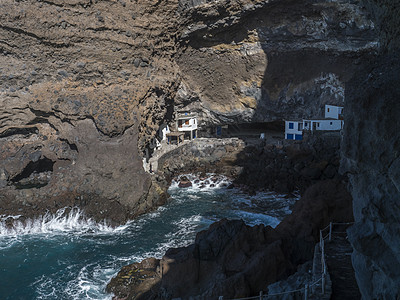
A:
(64, 220)
(202, 183)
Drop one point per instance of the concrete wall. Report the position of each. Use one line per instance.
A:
(330, 125)
(293, 131)
(332, 111)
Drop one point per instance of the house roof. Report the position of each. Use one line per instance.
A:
(176, 133)
(294, 120)
(189, 116)
(320, 119)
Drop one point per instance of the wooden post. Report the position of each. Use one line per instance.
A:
(261, 295)
(330, 231)
(306, 292)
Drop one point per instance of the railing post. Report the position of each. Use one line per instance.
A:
(330, 231)
(306, 292)
(261, 295)
(322, 257)
(320, 238)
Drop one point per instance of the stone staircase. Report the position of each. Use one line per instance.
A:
(338, 256)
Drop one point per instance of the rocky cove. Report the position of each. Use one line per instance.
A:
(86, 84)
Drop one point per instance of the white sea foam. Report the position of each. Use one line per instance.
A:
(64, 220)
(211, 182)
(253, 219)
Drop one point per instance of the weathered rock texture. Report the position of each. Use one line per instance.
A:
(371, 156)
(257, 164)
(85, 84)
(233, 260)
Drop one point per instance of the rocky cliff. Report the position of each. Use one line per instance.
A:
(370, 156)
(85, 84)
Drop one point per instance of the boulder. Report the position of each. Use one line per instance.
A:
(234, 260)
(184, 182)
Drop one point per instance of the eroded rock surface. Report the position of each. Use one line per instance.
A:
(370, 155)
(234, 260)
(84, 85)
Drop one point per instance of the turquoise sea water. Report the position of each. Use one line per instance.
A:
(66, 256)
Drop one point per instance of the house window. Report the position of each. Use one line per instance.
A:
(327, 109)
(186, 122)
(291, 125)
(289, 136)
(300, 127)
(330, 123)
(318, 124)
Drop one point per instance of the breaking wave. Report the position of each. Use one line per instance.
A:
(64, 220)
(67, 255)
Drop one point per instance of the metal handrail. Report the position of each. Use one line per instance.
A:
(307, 286)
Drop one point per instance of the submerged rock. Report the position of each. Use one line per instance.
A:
(184, 182)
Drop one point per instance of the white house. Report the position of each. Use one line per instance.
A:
(333, 121)
(187, 123)
(322, 124)
(334, 112)
(163, 131)
(294, 130)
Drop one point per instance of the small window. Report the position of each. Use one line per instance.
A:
(186, 122)
(331, 123)
(300, 127)
(327, 109)
(291, 125)
(318, 124)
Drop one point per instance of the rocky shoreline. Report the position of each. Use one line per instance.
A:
(231, 258)
(236, 260)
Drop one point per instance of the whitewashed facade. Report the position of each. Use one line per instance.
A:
(333, 121)
(294, 130)
(187, 123)
(334, 112)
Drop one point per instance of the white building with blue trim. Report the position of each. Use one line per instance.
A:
(333, 121)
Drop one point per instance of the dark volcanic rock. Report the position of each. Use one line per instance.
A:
(236, 260)
(184, 182)
(370, 156)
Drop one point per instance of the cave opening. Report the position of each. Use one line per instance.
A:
(244, 130)
(43, 165)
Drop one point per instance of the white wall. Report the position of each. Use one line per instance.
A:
(333, 112)
(164, 132)
(295, 130)
(330, 125)
(192, 125)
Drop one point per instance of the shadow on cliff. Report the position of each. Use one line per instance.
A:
(235, 260)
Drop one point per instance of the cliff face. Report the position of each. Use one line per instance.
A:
(84, 84)
(267, 60)
(370, 151)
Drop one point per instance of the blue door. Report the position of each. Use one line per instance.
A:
(298, 137)
(289, 136)
(219, 130)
